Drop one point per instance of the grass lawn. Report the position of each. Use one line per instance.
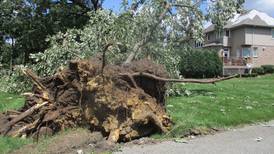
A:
(228, 103)
(10, 101)
(8, 144)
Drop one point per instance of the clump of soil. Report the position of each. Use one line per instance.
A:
(118, 101)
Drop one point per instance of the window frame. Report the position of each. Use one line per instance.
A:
(272, 33)
(255, 50)
(243, 52)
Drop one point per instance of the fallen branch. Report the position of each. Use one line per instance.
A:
(201, 81)
(22, 116)
(37, 95)
(25, 128)
(130, 77)
(34, 78)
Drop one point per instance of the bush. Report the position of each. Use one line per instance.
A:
(201, 63)
(268, 68)
(250, 75)
(258, 70)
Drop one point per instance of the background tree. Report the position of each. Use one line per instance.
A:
(30, 22)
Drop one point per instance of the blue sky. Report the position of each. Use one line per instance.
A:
(266, 6)
(261, 5)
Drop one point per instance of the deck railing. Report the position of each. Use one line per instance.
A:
(236, 61)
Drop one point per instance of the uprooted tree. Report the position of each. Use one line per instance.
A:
(123, 101)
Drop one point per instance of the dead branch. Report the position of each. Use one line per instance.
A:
(22, 116)
(37, 95)
(13, 112)
(34, 78)
(25, 128)
(201, 81)
(130, 77)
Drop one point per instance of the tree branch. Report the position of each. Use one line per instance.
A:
(148, 35)
(200, 81)
(34, 78)
(147, 38)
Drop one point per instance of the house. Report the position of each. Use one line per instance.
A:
(246, 39)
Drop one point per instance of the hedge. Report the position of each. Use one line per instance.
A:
(258, 70)
(250, 75)
(268, 68)
(201, 63)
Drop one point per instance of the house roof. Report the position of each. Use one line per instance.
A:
(253, 18)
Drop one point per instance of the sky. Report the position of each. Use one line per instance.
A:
(266, 6)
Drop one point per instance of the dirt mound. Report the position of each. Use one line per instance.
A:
(118, 101)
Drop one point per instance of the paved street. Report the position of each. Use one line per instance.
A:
(256, 139)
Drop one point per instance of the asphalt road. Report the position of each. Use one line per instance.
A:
(256, 139)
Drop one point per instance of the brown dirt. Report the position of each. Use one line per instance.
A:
(70, 143)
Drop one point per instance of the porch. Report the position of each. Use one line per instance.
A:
(241, 61)
(233, 66)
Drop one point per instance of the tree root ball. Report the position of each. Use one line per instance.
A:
(108, 99)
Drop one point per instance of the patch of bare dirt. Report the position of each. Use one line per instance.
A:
(70, 143)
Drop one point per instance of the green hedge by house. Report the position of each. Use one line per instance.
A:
(258, 70)
(250, 75)
(268, 68)
(201, 63)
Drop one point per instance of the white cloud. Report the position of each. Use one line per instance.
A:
(261, 5)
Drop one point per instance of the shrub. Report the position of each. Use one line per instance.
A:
(258, 70)
(201, 63)
(268, 68)
(250, 75)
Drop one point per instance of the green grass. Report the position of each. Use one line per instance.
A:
(10, 101)
(8, 144)
(228, 103)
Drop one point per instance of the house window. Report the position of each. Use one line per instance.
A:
(272, 33)
(246, 52)
(227, 33)
(198, 44)
(255, 52)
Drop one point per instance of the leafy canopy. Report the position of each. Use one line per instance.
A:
(157, 29)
